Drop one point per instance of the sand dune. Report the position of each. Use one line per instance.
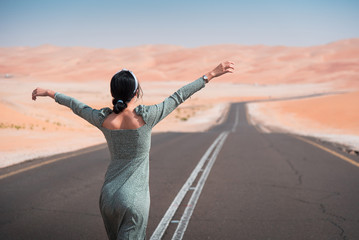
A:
(333, 118)
(262, 72)
(336, 62)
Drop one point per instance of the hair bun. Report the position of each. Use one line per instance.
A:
(119, 106)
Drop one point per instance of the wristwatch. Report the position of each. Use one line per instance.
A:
(205, 78)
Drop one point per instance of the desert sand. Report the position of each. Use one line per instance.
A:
(333, 118)
(33, 129)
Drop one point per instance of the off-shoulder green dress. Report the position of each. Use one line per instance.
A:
(125, 196)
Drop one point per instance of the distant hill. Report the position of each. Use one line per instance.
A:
(337, 61)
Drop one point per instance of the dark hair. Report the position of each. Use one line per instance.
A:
(123, 90)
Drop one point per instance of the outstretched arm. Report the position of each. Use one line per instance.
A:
(169, 104)
(223, 68)
(93, 116)
(40, 92)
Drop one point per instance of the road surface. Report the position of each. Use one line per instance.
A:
(231, 182)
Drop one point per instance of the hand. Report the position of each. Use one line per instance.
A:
(42, 92)
(225, 67)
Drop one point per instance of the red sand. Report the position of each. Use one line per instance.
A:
(85, 72)
(333, 114)
(339, 112)
(336, 61)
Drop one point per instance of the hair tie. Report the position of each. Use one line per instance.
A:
(119, 101)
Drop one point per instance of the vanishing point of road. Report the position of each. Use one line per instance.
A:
(231, 182)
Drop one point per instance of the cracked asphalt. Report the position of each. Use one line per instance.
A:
(262, 186)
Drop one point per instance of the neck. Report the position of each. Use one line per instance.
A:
(132, 104)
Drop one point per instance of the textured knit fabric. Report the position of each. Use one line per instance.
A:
(125, 196)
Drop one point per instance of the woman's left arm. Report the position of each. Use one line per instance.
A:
(169, 104)
(93, 116)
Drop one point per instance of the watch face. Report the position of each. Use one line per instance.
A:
(205, 78)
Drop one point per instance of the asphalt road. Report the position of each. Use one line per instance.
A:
(254, 186)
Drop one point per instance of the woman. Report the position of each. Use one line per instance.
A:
(125, 199)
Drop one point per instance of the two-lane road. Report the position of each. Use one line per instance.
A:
(252, 185)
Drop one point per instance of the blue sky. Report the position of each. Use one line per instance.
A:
(189, 23)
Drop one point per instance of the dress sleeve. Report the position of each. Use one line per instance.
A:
(93, 116)
(155, 113)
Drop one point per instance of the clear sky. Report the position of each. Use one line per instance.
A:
(189, 23)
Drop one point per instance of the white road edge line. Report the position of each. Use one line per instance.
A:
(182, 226)
(77, 153)
(236, 120)
(162, 226)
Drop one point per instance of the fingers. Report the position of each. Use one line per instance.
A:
(228, 67)
(34, 94)
(229, 63)
(222, 68)
(37, 92)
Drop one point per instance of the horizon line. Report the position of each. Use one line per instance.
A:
(176, 45)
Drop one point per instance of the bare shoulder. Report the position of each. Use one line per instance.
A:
(128, 119)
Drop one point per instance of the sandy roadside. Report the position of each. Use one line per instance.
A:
(332, 118)
(33, 129)
(24, 144)
(36, 129)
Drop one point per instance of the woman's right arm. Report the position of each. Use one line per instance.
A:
(93, 116)
(40, 92)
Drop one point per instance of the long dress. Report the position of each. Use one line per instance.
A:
(125, 197)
